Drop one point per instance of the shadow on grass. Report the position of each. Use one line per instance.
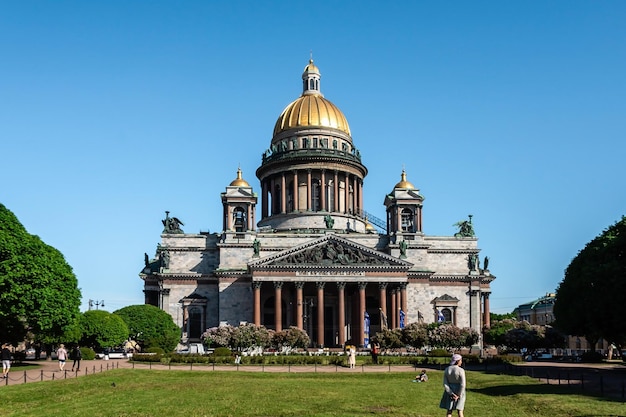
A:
(521, 389)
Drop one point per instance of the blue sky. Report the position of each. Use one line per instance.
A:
(113, 112)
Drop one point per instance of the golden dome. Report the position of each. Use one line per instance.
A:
(404, 183)
(239, 181)
(311, 109)
(368, 227)
(311, 67)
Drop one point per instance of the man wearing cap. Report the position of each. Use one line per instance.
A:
(454, 387)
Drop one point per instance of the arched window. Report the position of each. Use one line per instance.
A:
(407, 220)
(239, 219)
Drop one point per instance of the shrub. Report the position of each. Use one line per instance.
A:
(222, 351)
(591, 357)
(439, 352)
(155, 349)
(146, 357)
(88, 353)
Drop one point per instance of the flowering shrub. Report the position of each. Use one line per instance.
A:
(218, 336)
(292, 338)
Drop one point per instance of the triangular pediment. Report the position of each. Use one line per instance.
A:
(329, 251)
(446, 298)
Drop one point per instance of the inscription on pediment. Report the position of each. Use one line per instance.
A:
(331, 253)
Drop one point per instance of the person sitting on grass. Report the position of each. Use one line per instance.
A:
(423, 377)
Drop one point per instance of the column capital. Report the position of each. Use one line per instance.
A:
(382, 285)
(362, 285)
(257, 285)
(320, 285)
(278, 284)
(299, 284)
(341, 285)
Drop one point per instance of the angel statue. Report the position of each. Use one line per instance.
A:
(466, 229)
(171, 224)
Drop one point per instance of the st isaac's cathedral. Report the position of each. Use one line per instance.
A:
(315, 259)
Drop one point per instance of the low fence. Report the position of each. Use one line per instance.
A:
(37, 375)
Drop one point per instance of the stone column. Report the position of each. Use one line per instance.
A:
(296, 195)
(392, 313)
(323, 192)
(398, 305)
(346, 199)
(361, 197)
(403, 297)
(382, 286)
(362, 286)
(474, 302)
(256, 287)
(320, 313)
(308, 190)
(299, 305)
(283, 194)
(336, 191)
(341, 287)
(278, 305)
(355, 196)
(486, 312)
(264, 200)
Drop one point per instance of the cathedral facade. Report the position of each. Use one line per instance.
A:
(315, 259)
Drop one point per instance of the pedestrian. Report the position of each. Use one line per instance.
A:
(61, 356)
(352, 357)
(375, 351)
(6, 360)
(423, 377)
(77, 355)
(454, 387)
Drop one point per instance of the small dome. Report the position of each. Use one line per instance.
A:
(311, 109)
(239, 181)
(404, 183)
(311, 67)
(368, 227)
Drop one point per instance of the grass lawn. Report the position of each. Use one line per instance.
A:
(127, 392)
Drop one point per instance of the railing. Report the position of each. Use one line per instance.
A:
(38, 375)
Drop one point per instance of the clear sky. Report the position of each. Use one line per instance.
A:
(512, 111)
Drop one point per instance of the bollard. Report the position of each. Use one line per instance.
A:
(42, 374)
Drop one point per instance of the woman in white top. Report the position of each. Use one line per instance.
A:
(454, 387)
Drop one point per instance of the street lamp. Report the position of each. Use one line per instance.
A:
(95, 303)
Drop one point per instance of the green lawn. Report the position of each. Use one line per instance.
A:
(126, 392)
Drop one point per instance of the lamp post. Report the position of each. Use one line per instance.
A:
(95, 303)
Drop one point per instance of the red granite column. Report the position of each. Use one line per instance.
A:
(392, 313)
(256, 286)
(404, 297)
(398, 306)
(346, 199)
(341, 286)
(323, 192)
(299, 305)
(283, 194)
(296, 197)
(362, 286)
(382, 286)
(264, 200)
(320, 313)
(308, 190)
(336, 191)
(278, 305)
(487, 319)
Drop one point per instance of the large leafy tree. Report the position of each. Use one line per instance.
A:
(150, 326)
(102, 329)
(38, 289)
(589, 300)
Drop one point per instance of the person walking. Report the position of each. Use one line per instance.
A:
(61, 356)
(77, 355)
(454, 387)
(6, 360)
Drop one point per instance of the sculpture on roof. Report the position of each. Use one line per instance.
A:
(256, 246)
(403, 247)
(171, 224)
(466, 229)
(330, 222)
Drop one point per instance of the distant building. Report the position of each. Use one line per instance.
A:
(537, 312)
(540, 312)
(311, 256)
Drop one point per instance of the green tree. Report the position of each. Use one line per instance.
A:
(150, 326)
(102, 329)
(495, 335)
(38, 289)
(589, 300)
(390, 338)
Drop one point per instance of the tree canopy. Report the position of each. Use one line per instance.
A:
(38, 289)
(102, 329)
(589, 300)
(150, 326)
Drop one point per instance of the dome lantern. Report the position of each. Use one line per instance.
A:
(311, 79)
